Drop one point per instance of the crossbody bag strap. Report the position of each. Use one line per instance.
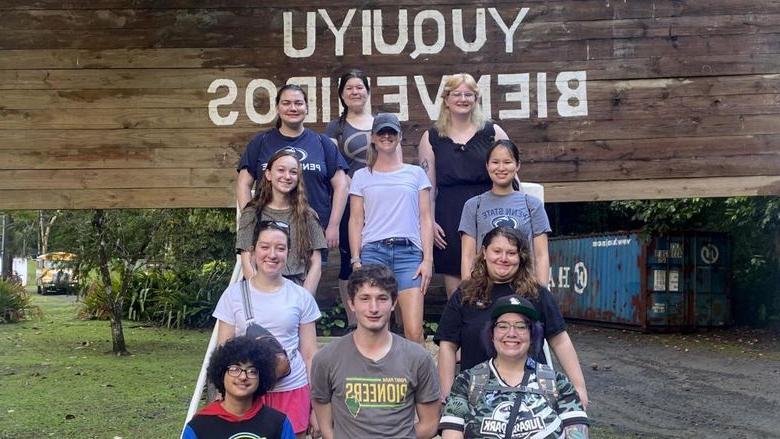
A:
(250, 318)
(513, 414)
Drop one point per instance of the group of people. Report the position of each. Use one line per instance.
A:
(460, 213)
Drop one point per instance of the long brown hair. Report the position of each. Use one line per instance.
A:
(477, 291)
(302, 215)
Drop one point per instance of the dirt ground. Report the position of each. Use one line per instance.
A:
(710, 384)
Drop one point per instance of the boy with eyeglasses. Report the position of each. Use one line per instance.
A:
(243, 370)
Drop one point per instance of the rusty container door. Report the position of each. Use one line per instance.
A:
(599, 278)
(667, 304)
(707, 284)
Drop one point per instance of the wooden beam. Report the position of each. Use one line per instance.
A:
(660, 189)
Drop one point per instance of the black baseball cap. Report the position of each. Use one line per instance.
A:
(514, 303)
(386, 120)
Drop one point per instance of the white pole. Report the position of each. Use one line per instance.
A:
(201, 383)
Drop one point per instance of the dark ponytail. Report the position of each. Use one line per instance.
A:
(353, 73)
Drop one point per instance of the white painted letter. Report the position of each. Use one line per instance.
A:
(366, 32)
(579, 94)
(541, 94)
(484, 95)
(523, 96)
(309, 83)
(311, 36)
(563, 277)
(403, 34)
(249, 101)
(509, 33)
(401, 98)
(228, 99)
(432, 107)
(325, 99)
(479, 31)
(338, 33)
(419, 43)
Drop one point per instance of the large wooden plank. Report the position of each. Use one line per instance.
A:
(554, 192)
(578, 161)
(107, 157)
(598, 125)
(587, 9)
(660, 189)
(536, 23)
(678, 91)
(117, 198)
(172, 78)
(55, 140)
(116, 178)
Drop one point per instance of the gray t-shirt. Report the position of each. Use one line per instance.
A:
(373, 399)
(246, 228)
(353, 143)
(517, 210)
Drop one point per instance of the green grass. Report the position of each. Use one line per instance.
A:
(59, 379)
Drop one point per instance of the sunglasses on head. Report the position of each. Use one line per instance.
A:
(281, 225)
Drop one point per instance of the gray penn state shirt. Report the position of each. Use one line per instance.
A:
(517, 210)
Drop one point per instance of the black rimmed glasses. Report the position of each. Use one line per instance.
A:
(235, 371)
(505, 326)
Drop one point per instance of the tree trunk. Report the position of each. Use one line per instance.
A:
(7, 261)
(117, 334)
(114, 298)
(44, 231)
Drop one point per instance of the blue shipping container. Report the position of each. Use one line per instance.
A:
(674, 281)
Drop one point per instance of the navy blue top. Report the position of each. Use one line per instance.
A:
(319, 158)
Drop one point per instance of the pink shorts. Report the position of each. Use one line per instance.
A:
(296, 404)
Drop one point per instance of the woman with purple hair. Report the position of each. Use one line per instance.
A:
(502, 267)
(511, 395)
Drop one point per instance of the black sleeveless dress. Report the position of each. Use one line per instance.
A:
(460, 175)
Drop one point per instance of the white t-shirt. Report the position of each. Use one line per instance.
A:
(391, 201)
(281, 312)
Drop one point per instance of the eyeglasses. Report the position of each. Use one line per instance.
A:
(462, 94)
(274, 224)
(235, 371)
(504, 326)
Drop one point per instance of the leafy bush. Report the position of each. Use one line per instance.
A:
(171, 297)
(15, 304)
(177, 297)
(333, 321)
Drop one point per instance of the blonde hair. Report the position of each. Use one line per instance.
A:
(444, 122)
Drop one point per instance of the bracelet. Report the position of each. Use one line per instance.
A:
(355, 260)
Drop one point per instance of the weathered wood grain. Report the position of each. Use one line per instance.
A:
(556, 192)
(60, 179)
(106, 104)
(117, 198)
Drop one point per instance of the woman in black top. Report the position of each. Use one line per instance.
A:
(502, 267)
(452, 154)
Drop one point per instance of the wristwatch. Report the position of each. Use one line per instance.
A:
(355, 260)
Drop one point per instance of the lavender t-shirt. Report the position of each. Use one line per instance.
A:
(391, 202)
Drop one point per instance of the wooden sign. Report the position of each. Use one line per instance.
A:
(141, 103)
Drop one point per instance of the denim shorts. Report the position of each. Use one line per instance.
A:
(403, 259)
